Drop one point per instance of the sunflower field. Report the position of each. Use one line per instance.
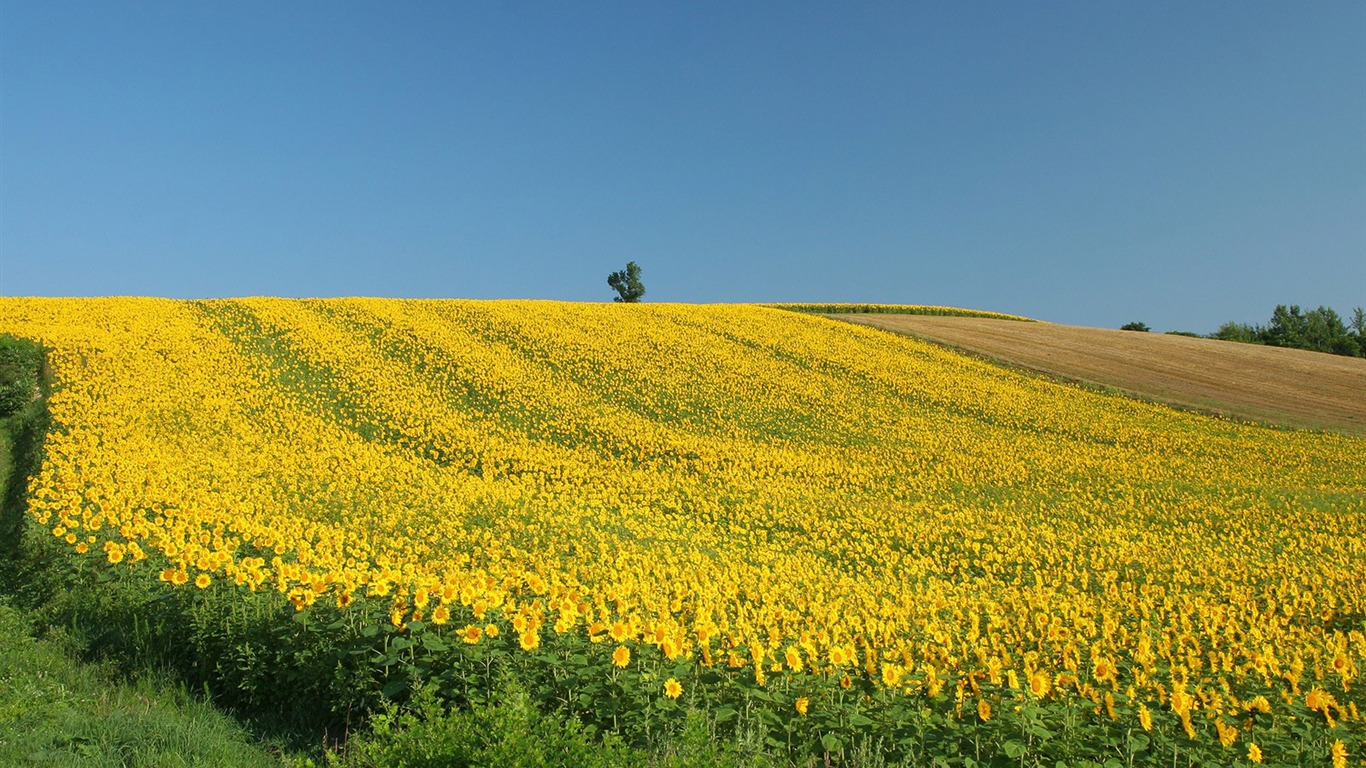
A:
(842, 541)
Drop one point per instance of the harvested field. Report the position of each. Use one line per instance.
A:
(1288, 387)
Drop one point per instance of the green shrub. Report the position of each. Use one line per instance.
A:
(21, 364)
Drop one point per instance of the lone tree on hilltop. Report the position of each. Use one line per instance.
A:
(1135, 327)
(627, 284)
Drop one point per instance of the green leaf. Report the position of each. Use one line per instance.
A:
(859, 721)
(831, 743)
(1138, 742)
(433, 643)
(1013, 749)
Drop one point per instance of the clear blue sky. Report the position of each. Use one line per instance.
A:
(1180, 163)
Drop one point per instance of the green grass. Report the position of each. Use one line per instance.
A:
(56, 710)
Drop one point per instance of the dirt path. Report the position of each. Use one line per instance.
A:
(1289, 387)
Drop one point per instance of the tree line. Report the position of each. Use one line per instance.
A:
(1318, 330)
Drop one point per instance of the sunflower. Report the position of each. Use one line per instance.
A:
(1319, 700)
(1341, 665)
(529, 641)
(621, 656)
(1339, 754)
(983, 710)
(1105, 670)
(1254, 753)
(672, 688)
(1145, 718)
(802, 704)
(440, 615)
(202, 580)
(1040, 684)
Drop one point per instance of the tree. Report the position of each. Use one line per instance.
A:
(1324, 331)
(1287, 328)
(1135, 326)
(1244, 332)
(627, 284)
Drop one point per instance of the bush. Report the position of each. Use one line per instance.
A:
(21, 363)
(1135, 326)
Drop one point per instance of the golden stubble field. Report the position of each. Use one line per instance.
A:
(1291, 387)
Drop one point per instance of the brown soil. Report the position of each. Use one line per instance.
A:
(1289, 387)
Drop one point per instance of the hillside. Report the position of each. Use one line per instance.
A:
(1289, 387)
(753, 504)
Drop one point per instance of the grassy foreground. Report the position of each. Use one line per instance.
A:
(324, 510)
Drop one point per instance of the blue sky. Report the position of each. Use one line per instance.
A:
(1095, 163)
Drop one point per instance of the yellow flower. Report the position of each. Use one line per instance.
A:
(471, 634)
(793, 659)
(1339, 754)
(672, 688)
(802, 704)
(441, 614)
(1254, 753)
(672, 648)
(891, 675)
(839, 656)
(1040, 684)
(983, 710)
(529, 641)
(1340, 664)
(491, 630)
(1227, 733)
(1319, 700)
(1145, 718)
(621, 656)
(202, 580)
(1105, 670)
